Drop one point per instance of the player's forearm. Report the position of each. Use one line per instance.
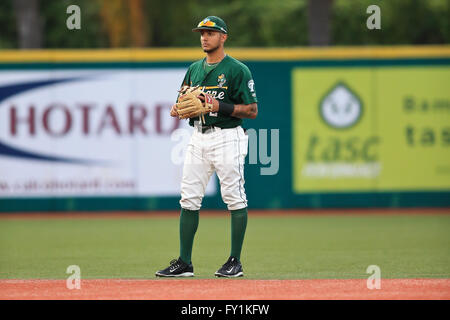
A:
(245, 111)
(239, 110)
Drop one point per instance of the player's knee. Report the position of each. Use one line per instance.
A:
(191, 196)
(237, 205)
(234, 200)
(191, 203)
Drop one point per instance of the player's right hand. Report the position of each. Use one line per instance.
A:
(173, 111)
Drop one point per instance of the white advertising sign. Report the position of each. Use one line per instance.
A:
(89, 133)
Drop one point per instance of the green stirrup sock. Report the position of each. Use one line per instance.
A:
(188, 227)
(238, 226)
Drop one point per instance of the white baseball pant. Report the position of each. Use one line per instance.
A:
(220, 150)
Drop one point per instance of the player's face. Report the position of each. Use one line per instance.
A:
(211, 40)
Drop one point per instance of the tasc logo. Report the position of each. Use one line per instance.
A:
(341, 108)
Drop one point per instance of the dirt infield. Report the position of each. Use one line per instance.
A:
(226, 289)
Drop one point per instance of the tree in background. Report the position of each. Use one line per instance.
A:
(252, 23)
(260, 23)
(8, 34)
(402, 22)
(124, 22)
(114, 21)
(170, 22)
(138, 23)
(29, 24)
(319, 12)
(91, 34)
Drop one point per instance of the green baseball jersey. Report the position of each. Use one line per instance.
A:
(229, 81)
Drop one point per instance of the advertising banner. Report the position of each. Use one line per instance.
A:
(89, 133)
(371, 129)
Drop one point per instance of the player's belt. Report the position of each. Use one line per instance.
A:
(203, 129)
(211, 128)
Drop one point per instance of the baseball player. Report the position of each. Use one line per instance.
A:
(217, 93)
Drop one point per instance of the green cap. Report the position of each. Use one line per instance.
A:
(212, 23)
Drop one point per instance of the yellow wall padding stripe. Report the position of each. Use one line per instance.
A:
(191, 54)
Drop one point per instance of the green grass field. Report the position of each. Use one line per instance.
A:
(284, 247)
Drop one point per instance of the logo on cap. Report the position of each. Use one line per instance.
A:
(207, 23)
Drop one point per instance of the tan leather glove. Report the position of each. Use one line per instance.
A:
(189, 104)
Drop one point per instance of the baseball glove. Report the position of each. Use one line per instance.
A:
(193, 102)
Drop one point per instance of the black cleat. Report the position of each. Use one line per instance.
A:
(231, 269)
(177, 268)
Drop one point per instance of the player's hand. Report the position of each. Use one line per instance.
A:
(173, 111)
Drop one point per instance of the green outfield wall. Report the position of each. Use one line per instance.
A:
(353, 127)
